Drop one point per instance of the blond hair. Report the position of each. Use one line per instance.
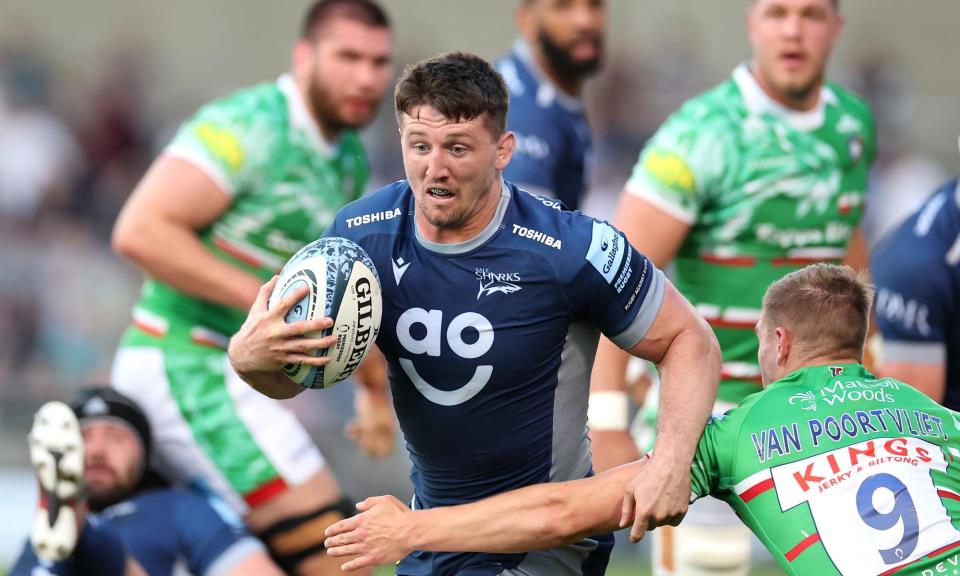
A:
(826, 307)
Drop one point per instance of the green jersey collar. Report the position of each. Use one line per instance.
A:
(302, 119)
(822, 373)
(758, 102)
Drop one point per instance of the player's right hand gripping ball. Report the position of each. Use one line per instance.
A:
(343, 285)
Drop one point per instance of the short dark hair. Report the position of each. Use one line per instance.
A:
(363, 11)
(459, 85)
(826, 306)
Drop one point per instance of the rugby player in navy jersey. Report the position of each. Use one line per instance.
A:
(493, 302)
(99, 513)
(917, 270)
(560, 46)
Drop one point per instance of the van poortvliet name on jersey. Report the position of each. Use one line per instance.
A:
(537, 236)
(783, 440)
(371, 218)
(833, 233)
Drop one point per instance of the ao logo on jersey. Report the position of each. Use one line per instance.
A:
(431, 342)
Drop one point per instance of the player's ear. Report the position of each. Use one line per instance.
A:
(301, 57)
(505, 147)
(784, 344)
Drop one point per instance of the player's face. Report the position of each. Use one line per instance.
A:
(113, 462)
(453, 167)
(348, 68)
(792, 40)
(569, 32)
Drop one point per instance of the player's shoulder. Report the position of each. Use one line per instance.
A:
(543, 224)
(264, 101)
(570, 240)
(849, 101)
(924, 238)
(715, 112)
(518, 79)
(377, 212)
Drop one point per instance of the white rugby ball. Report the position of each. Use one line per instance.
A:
(343, 285)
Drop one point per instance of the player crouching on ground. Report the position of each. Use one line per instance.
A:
(91, 456)
(835, 470)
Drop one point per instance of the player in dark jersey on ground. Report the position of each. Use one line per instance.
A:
(837, 471)
(493, 301)
(91, 456)
(917, 269)
(561, 45)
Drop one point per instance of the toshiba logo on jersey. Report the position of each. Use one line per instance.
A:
(537, 236)
(372, 217)
(493, 282)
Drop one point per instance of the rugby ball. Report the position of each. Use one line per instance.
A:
(343, 285)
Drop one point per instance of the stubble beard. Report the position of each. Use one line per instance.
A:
(324, 108)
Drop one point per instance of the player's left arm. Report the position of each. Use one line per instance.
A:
(687, 356)
(374, 426)
(532, 518)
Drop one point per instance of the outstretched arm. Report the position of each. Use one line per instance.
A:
(531, 518)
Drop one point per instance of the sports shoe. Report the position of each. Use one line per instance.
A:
(56, 451)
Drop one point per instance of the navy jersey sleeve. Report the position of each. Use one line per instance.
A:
(914, 303)
(616, 288)
(99, 550)
(913, 271)
(213, 539)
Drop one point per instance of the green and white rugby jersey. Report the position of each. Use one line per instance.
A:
(261, 146)
(838, 472)
(766, 191)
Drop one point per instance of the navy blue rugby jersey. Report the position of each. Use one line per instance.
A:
(167, 531)
(553, 137)
(490, 342)
(917, 272)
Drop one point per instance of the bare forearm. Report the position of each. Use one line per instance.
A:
(609, 368)
(371, 374)
(272, 384)
(689, 372)
(175, 255)
(532, 518)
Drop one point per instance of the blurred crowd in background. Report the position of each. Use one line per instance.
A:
(68, 162)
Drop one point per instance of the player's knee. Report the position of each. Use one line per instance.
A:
(705, 551)
(293, 540)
